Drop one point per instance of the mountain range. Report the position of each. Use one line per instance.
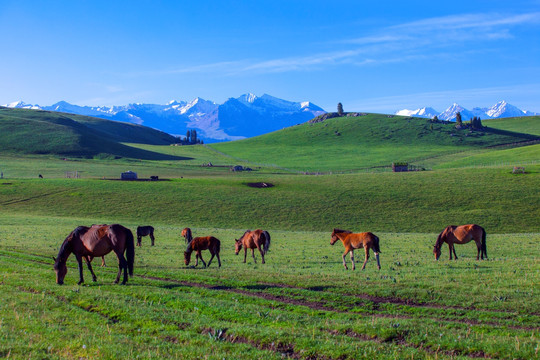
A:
(237, 118)
(501, 109)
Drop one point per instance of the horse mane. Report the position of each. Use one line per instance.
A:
(442, 235)
(341, 231)
(242, 237)
(66, 246)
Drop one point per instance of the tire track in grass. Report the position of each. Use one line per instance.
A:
(285, 350)
(376, 300)
(323, 306)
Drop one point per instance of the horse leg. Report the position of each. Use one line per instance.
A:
(450, 250)
(152, 237)
(352, 260)
(210, 261)
(103, 261)
(88, 263)
(343, 257)
(378, 261)
(367, 257)
(454, 250)
(199, 254)
(139, 238)
(253, 255)
(79, 260)
(479, 249)
(262, 253)
(245, 254)
(122, 265)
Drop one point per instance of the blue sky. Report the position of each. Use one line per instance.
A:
(370, 56)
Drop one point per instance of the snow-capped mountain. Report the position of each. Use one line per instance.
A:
(423, 112)
(500, 110)
(237, 118)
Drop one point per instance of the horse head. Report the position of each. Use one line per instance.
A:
(237, 245)
(438, 244)
(437, 252)
(335, 238)
(60, 269)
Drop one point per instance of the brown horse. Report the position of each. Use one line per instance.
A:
(145, 231)
(186, 233)
(257, 239)
(461, 235)
(203, 243)
(353, 241)
(98, 240)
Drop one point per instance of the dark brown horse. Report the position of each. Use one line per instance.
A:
(203, 243)
(353, 241)
(145, 231)
(186, 233)
(98, 240)
(461, 235)
(257, 239)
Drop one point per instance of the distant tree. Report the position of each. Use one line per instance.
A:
(435, 118)
(340, 109)
(459, 122)
(476, 123)
(194, 136)
(188, 135)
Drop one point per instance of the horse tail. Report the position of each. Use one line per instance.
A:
(218, 246)
(130, 250)
(376, 247)
(484, 247)
(267, 242)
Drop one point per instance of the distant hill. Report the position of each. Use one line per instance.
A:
(367, 141)
(237, 118)
(45, 132)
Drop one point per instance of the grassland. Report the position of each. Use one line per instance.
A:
(301, 304)
(373, 140)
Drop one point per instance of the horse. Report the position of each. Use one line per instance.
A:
(461, 235)
(203, 243)
(98, 240)
(186, 233)
(351, 241)
(257, 239)
(145, 231)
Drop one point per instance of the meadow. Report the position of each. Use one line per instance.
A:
(302, 303)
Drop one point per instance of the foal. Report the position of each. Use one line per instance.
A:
(203, 243)
(352, 241)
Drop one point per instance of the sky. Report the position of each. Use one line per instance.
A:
(373, 56)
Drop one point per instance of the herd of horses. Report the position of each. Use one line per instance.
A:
(99, 240)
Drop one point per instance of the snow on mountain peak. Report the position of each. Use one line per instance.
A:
(499, 110)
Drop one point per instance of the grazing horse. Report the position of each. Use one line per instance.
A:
(98, 240)
(461, 235)
(186, 233)
(145, 231)
(257, 239)
(203, 243)
(353, 241)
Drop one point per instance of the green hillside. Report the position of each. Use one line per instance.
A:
(524, 124)
(372, 140)
(24, 131)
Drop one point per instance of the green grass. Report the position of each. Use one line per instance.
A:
(524, 124)
(42, 132)
(401, 202)
(302, 303)
(374, 140)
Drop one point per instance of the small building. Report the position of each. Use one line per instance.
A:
(129, 175)
(400, 167)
